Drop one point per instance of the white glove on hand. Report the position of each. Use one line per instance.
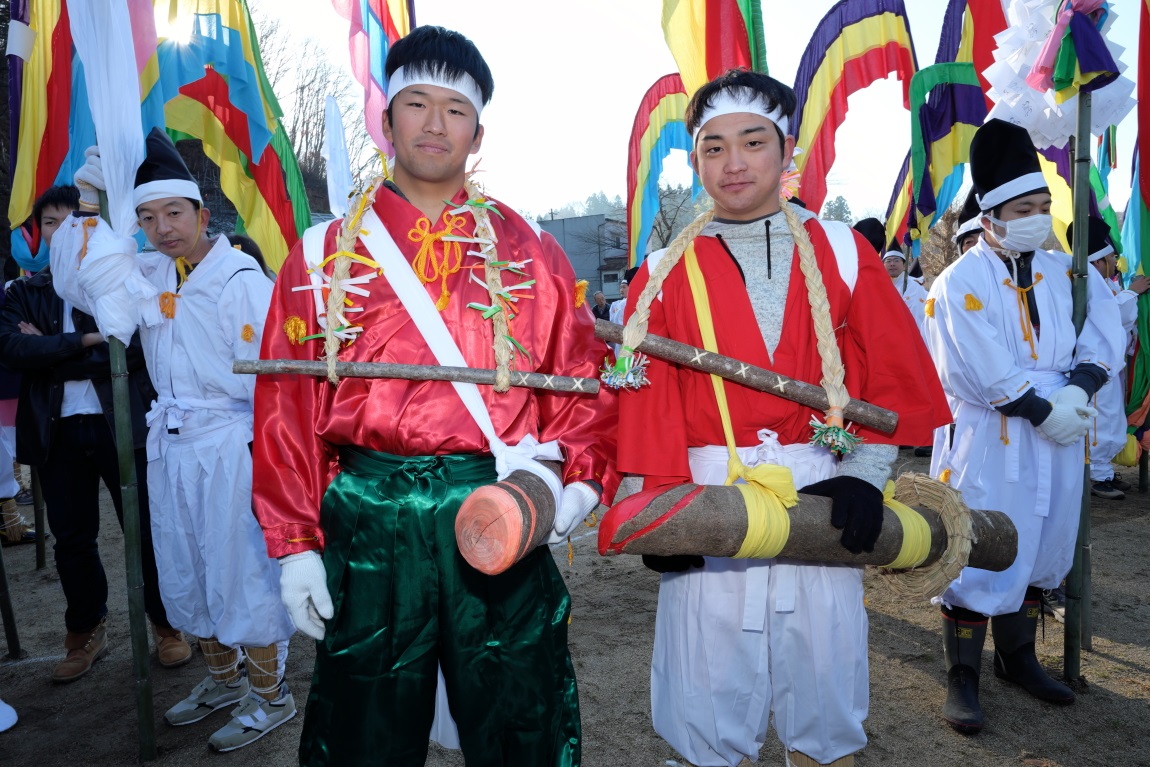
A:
(303, 589)
(1071, 395)
(578, 500)
(90, 179)
(1067, 424)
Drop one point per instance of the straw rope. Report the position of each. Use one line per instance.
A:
(492, 276)
(928, 582)
(223, 661)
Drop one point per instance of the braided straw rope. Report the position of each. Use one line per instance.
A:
(341, 270)
(832, 365)
(931, 581)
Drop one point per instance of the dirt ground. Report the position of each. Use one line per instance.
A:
(93, 721)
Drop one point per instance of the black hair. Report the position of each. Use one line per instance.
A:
(772, 95)
(247, 245)
(441, 52)
(63, 196)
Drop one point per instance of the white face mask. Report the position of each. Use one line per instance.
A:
(1023, 234)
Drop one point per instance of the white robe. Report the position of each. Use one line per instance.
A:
(216, 579)
(741, 638)
(914, 295)
(1109, 432)
(1002, 463)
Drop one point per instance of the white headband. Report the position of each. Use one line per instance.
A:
(734, 100)
(464, 85)
(1015, 187)
(893, 254)
(166, 187)
(1100, 254)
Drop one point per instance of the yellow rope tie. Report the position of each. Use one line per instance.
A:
(88, 224)
(427, 266)
(1004, 430)
(915, 532)
(182, 269)
(769, 490)
(1024, 312)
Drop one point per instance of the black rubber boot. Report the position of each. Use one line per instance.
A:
(1014, 658)
(964, 632)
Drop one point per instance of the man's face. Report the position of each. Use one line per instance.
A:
(895, 266)
(1107, 266)
(433, 130)
(740, 162)
(600, 299)
(173, 225)
(623, 288)
(50, 219)
(1030, 205)
(967, 241)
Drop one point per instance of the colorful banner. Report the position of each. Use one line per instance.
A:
(375, 25)
(855, 44)
(708, 37)
(658, 129)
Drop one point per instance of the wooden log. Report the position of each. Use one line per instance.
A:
(416, 373)
(759, 379)
(713, 522)
(499, 524)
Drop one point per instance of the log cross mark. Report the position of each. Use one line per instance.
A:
(698, 358)
(781, 385)
(742, 370)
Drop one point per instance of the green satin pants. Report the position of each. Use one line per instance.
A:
(405, 600)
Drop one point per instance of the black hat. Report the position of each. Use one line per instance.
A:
(163, 173)
(969, 219)
(874, 232)
(1003, 164)
(1098, 241)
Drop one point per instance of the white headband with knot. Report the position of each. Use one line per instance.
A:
(464, 85)
(734, 100)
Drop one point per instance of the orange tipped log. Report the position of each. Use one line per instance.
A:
(499, 524)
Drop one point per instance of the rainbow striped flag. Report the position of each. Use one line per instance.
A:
(658, 128)
(375, 26)
(855, 44)
(708, 37)
(1136, 234)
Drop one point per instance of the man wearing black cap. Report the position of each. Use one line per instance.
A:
(205, 309)
(359, 482)
(1110, 428)
(999, 326)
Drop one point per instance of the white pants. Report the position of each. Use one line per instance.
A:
(1109, 432)
(216, 578)
(741, 638)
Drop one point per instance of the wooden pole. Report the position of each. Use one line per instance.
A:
(759, 379)
(38, 510)
(416, 373)
(1078, 581)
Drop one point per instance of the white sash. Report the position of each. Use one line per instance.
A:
(428, 321)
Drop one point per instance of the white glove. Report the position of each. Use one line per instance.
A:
(1071, 395)
(90, 178)
(1067, 424)
(303, 589)
(578, 500)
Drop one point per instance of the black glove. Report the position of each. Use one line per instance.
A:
(856, 509)
(676, 563)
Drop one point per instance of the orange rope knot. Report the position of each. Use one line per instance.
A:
(247, 333)
(929, 308)
(90, 222)
(1024, 312)
(580, 293)
(168, 303)
(295, 329)
(427, 265)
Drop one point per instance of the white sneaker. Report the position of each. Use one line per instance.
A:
(206, 697)
(254, 718)
(7, 716)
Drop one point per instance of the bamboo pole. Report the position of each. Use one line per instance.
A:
(416, 373)
(1078, 581)
(41, 525)
(759, 379)
(11, 636)
(133, 560)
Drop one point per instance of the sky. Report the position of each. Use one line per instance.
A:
(569, 78)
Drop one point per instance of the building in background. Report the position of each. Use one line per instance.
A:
(597, 247)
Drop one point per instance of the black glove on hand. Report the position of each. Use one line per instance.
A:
(856, 509)
(676, 563)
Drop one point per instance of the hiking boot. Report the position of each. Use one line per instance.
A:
(206, 697)
(1119, 483)
(1106, 489)
(84, 649)
(1054, 603)
(172, 649)
(254, 718)
(13, 527)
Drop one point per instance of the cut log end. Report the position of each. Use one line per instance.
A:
(489, 529)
